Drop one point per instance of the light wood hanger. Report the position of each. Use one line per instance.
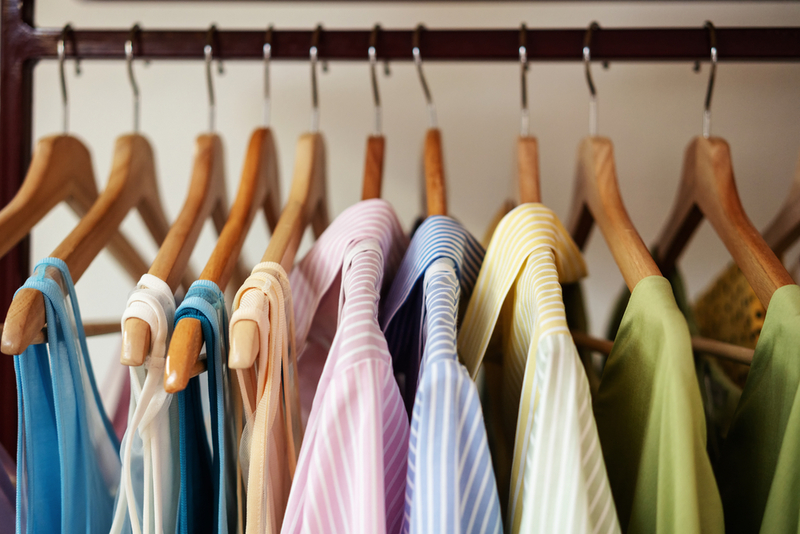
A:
(597, 198)
(307, 204)
(784, 230)
(258, 188)
(527, 145)
(376, 143)
(206, 198)
(708, 189)
(132, 184)
(435, 189)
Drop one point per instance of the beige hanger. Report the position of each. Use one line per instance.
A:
(206, 198)
(132, 184)
(307, 204)
(784, 230)
(258, 188)
(708, 189)
(435, 189)
(376, 143)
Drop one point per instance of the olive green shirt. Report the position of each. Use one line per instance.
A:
(651, 424)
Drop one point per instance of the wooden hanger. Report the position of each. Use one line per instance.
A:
(258, 188)
(784, 230)
(132, 184)
(597, 197)
(60, 170)
(376, 143)
(527, 146)
(708, 189)
(435, 190)
(206, 198)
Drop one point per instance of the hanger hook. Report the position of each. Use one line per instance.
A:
(61, 49)
(373, 61)
(523, 60)
(313, 54)
(418, 61)
(587, 58)
(134, 86)
(712, 36)
(208, 52)
(267, 57)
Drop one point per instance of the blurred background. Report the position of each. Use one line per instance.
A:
(649, 110)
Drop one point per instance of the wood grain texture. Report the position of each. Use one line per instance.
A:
(259, 188)
(373, 167)
(206, 193)
(528, 170)
(132, 184)
(708, 189)
(307, 204)
(435, 187)
(784, 230)
(597, 199)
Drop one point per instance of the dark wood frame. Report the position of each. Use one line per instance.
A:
(22, 44)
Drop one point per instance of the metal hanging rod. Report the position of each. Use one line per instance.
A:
(608, 44)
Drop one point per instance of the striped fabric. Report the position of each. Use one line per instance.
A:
(349, 475)
(437, 237)
(556, 480)
(450, 485)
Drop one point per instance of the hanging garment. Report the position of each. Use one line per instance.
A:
(650, 419)
(7, 492)
(67, 454)
(351, 470)
(208, 500)
(268, 449)
(537, 391)
(150, 486)
(759, 473)
(450, 485)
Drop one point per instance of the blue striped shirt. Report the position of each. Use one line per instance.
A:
(450, 482)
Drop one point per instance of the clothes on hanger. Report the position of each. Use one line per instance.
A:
(535, 386)
(149, 494)
(68, 455)
(358, 485)
(450, 482)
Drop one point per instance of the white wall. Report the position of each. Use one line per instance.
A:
(650, 111)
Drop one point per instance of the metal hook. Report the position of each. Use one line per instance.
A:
(313, 54)
(208, 51)
(587, 58)
(61, 49)
(267, 57)
(712, 36)
(523, 59)
(134, 86)
(373, 60)
(418, 61)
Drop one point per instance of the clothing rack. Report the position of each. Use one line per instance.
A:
(22, 45)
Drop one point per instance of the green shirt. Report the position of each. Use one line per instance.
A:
(650, 420)
(759, 470)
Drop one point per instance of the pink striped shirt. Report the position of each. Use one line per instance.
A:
(350, 475)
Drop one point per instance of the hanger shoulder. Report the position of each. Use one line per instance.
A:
(784, 230)
(373, 167)
(598, 199)
(60, 170)
(259, 181)
(719, 201)
(307, 204)
(435, 188)
(206, 193)
(528, 170)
